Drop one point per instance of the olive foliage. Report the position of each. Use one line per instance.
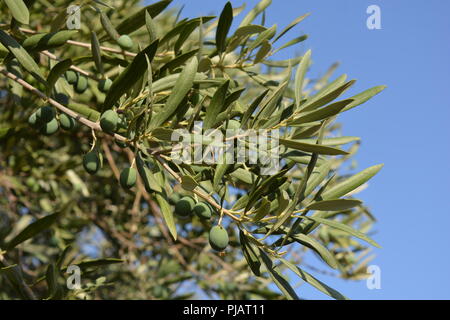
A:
(87, 177)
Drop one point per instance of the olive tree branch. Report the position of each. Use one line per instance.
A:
(96, 126)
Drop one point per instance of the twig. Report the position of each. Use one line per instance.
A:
(73, 114)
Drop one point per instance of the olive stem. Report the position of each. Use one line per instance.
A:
(68, 111)
(72, 67)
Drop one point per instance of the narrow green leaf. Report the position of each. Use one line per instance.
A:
(343, 227)
(251, 16)
(96, 52)
(167, 213)
(33, 229)
(262, 37)
(248, 113)
(22, 56)
(130, 75)
(322, 113)
(279, 280)
(225, 21)
(45, 41)
(290, 26)
(268, 108)
(215, 106)
(299, 77)
(54, 289)
(182, 86)
(316, 246)
(147, 176)
(333, 141)
(56, 72)
(137, 20)
(108, 26)
(262, 52)
(326, 96)
(364, 96)
(351, 183)
(248, 30)
(164, 134)
(221, 168)
(314, 282)
(262, 210)
(283, 63)
(307, 147)
(292, 42)
(334, 205)
(182, 25)
(250, 253)
(178, 61)
(317, 176)
(151, 27)
(19, 10)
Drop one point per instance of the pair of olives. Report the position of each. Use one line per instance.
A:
(218, 236)
(186, 206)
(80, 82)
(44, 120)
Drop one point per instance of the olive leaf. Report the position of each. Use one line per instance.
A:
(130, 75)
(225, 21)
(22, 56)
(181, 87)
(19, 10)
(33, 229)
(344, 187)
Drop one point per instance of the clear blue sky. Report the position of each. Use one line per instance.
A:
(404, 127)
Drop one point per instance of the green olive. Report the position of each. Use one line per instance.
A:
(50, 128)
(128, 178)
(67, 122)
(218, 238)
(109, 120)
(184, 206)
(104, 85)
(125, 42)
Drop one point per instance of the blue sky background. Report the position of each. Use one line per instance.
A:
(404, 127)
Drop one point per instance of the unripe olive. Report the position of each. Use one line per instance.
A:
(202, 210)
(62, 98)
(174, 198)
(50, 128)
(81, 84)
(104, 85)
(121, 143)
(91, 162)
(71, 76)
(67, 122)
(128, 178)
(218, 238)
(125, 42)
(109, 120)
(45, 114)
(33, 120)
(32, 184)
(184, 206)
